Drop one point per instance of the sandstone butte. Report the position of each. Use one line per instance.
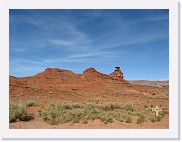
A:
(62, 82)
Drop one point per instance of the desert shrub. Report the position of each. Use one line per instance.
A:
(77, 115)
(159, 118)
(76, 120)
(92, 113)
(129, 119)
(17, 111)
(163, 113)
(128, 107)
(39, 112)
(135, 113)
(66, 117)
(141, 119)
(119, 117)
(76, 105)
(147, 111)
(104, 107)
(84, 120)
(109, 107)
(114, 106)
(145, 106)
(53, 121)
(30, 103)
(66, 105)
(91, 105)
(106, 117)
(152, 119)
(51, 114)
(97, 101)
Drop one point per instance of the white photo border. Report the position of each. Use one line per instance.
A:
(171, 133)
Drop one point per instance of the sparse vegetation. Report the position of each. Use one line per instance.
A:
(141, 119)
(129, 119)
(17, 112)
(153, 119)
(145, 106)
(79, 113)
(30, 103)
(128, 107)
(75, 112)
(159, 118)
(106, 117)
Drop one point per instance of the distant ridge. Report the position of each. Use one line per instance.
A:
(60, 82)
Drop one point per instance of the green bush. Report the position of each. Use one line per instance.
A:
(141, 119)
(119, 115)
(77, 115)
(129, 119)
(91, 105)
(105, 118)
(162, 113)
(145, 106)
(153, 119)
(109, 107)
(159, 118)
(114, 106)
(97, 101)
(17, 111)
(65, 105)
(119, 118)
(30, 103)
(51, 114)
(92, 113)
(76, 105)
(84, 120)
(128, 107)
(105, 107)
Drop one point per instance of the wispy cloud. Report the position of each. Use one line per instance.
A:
(157, 18)
(45, 38)
(61, 42)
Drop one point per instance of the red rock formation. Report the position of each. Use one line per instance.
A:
(117, 74)
(92, 74)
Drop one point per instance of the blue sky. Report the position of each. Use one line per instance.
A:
(135, 40)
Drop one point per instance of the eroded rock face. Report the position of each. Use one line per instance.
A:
(93, 74)
(90, 71)
(57, 73)
(117, 74)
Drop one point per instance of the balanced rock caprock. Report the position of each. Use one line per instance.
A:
(117, 74)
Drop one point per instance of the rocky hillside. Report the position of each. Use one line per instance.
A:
(56, 83)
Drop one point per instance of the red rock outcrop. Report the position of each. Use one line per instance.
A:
(117, 74)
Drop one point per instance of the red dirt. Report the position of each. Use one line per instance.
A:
(56, 85)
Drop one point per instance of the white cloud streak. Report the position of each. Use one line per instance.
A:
(64, 32)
